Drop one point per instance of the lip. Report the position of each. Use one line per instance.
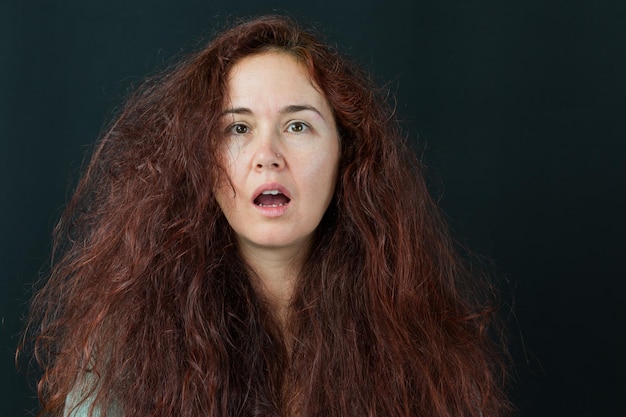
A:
(271, 211)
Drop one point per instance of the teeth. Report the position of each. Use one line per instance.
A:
(270, 192)
(271, 205)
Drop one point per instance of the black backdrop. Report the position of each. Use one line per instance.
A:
(519, 104)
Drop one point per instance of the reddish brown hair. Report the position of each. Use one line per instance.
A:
(150, 298)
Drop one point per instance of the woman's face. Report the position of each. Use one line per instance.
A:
(281, 153)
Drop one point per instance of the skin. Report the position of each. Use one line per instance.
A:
(279, 134)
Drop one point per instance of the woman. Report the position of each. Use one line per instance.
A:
(252, 237)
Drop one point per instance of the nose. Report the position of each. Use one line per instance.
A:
(268, 154)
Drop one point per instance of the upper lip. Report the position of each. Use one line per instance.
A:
(270, 187)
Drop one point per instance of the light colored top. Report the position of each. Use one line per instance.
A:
(81, 392)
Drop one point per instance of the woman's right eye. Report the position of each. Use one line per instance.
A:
(239, 129)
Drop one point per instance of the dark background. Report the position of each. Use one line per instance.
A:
(519, 105)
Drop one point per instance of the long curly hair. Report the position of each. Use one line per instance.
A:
(149, 307)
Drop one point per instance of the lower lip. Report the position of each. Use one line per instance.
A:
(270, 211)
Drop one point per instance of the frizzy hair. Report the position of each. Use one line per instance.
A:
(149, 307)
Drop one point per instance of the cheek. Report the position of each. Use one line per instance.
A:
(230, 172)
(224, 197)
(322, 174)
(225, 191)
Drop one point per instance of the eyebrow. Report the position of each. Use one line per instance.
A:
(294, 108)
(237, 110)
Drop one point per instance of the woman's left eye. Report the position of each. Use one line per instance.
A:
(297, 127)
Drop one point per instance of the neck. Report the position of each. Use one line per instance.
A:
(276, 271)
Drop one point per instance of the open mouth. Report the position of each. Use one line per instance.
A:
(271, 198)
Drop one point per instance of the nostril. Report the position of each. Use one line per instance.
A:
(272, 163)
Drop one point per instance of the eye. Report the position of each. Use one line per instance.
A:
(297, 127)
(238, 129)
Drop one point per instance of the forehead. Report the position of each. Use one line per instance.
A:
(272, 75)
(269, 61)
